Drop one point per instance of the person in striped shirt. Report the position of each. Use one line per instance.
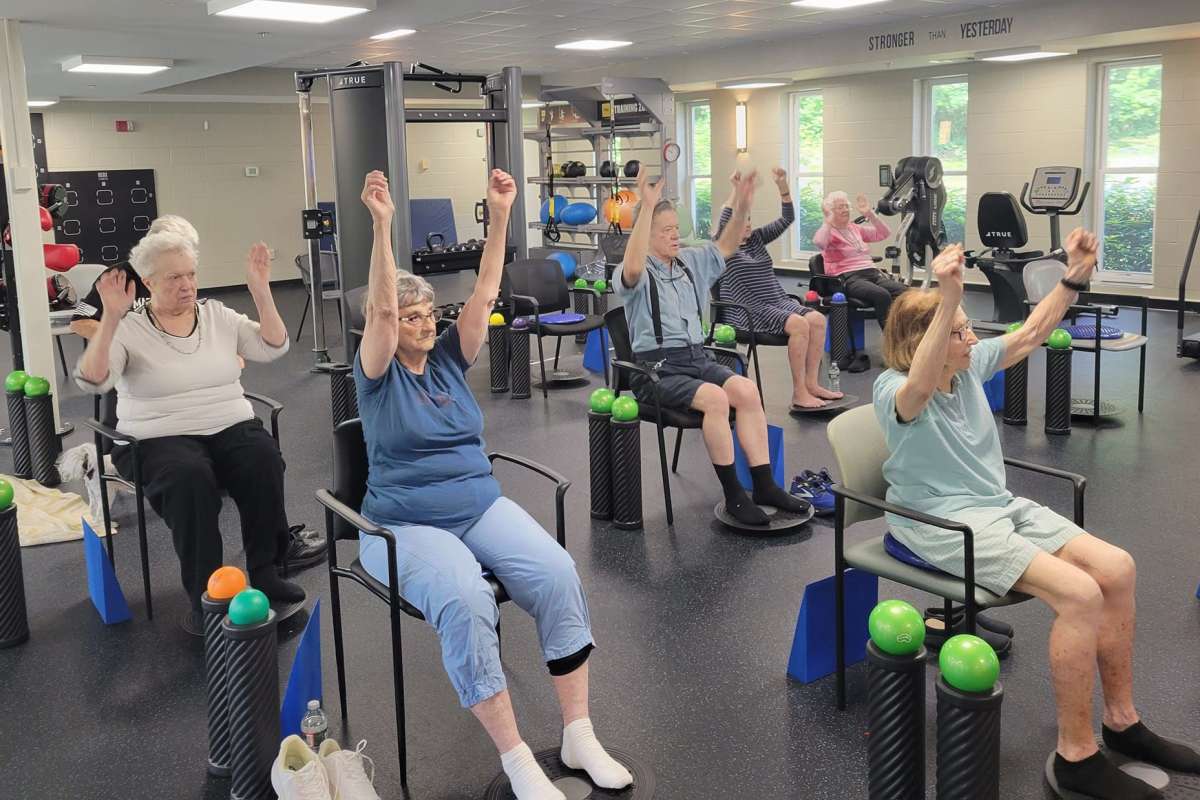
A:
(749, 279)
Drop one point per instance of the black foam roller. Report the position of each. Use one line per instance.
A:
(498, 357)
(14, 619)
(1058, 391)
(600, 458)
(18, 425)
(1016, 393)
(839, 333)
(896, 724)
(582, 305)
(626, 474)
(728, 359)
(968, 743)
(518, 352)
(252, 670)
(218, 686)
(342, 393)
(600, 304)
(44, 444)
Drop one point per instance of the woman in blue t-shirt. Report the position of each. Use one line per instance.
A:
(946, 461)
(430, 483)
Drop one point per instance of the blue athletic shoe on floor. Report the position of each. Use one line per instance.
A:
(809, 486)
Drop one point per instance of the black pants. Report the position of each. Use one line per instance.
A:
(876, 287)
(183, 477)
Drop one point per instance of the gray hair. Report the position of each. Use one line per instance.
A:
(173, 223)
(833, 197)
(410, 290)
(145, 256)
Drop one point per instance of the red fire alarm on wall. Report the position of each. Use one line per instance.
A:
(124, 126)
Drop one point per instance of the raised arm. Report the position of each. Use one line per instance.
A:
(117, 294)
(876, 230)
(930, 359)
(773, 230)
(743, 199)
(473, 319)
(1082, 248)
(258, 280)
(638, 246)
(380, 335)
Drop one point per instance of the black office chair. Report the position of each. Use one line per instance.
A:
(107, 437)
(535, 287)
(343, 522)
(625, 365)
(330, 288)
(721, 314)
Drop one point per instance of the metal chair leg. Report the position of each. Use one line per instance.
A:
(304, 315)
(542, 367)
(398, 690)
(142, 545)
(666, 478)
(675, 458)
(557, 348)
(62, 358)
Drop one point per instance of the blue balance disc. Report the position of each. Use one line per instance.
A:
(1088, 331)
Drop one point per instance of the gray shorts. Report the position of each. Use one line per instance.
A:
(1006, 540)
(681, 373)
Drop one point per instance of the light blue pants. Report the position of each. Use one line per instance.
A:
(441, 573)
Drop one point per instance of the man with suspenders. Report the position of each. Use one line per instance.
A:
(661, 286)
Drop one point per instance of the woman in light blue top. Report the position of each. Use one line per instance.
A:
(430, 483)
(946, 460)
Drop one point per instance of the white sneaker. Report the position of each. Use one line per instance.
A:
(297, 773)
(347, 778)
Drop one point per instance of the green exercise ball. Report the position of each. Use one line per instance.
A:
(581, 283)
(600, 285)
(601, 401)
(6, 494)
(724, 334)
(249, 607)
(36, 387)
(969, 664)
(15, 382)
(1013, 327)
(896, 628)
(1059, 340)
(625, 409)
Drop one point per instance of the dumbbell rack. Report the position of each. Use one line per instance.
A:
(591, 140)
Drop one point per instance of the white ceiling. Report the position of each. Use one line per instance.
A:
(467, 35)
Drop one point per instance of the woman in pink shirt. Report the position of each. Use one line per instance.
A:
(845, 246)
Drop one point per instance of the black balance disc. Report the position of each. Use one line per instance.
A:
(778, 522)
(1173, 785)
(575, 783)
(845, 402)
(285, 611)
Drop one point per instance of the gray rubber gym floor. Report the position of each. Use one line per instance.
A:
(693, 624)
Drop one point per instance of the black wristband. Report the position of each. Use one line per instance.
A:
(1073, 286)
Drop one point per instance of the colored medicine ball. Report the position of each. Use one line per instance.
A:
(578, 214)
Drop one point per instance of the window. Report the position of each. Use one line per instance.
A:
(806, 165)
(1130, 106)
(697, 187)
(944, 135)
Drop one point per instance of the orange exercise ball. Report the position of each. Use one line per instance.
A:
(620, 210)
(225, 582)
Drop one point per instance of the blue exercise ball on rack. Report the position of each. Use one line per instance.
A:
(566, 261)
(560, 205)
(578, 214)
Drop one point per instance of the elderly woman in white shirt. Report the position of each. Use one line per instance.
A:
(175, 366)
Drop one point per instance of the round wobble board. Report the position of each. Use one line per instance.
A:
(1086, 407)
(575, 783)
(1171, 789)
(284, 612)
(844, 403)
(562, 379)
(778, 522)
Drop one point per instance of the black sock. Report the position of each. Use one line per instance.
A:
(737, 502)
(768, 493)
(1097, 777)
(1140, 743)
(267, 580)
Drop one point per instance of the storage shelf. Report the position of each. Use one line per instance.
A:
(567, 133)
(564, 228)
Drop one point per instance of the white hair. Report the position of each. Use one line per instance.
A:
(174, 223)
(832, 198)
(145, 256)
(410, 290)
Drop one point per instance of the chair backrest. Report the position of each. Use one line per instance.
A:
(302, 266)
(860, 450)
(541, 279)
(349, 472)
(1041, 277)
(618, 332)
(1000, 221)
(816, 264)
(353, 307)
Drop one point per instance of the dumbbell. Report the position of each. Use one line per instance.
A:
(632, 167)
(608, 170)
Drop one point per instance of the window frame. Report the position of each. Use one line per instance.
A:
(1099, 155)
(923, 133)
(687, 177)
(793, 251)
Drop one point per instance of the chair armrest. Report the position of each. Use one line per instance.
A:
(574, 290)
(326, 498)
(876, 259)
(532, 301)
(1078, 482)
(727, 304)
(275, 407)
(632, 367)
(112, 434)
(901, 511)
(560, 489)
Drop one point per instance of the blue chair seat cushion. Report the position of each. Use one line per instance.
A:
(899, 551)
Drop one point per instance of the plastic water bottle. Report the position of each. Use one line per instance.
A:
(835, 379)
(314, 725)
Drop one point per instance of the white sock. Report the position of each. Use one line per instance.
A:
(526, 776)
(582, 750)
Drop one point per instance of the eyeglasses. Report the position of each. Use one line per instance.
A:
(416, 319)
(962, 332)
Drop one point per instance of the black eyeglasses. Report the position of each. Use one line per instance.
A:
(962, 332)
(416, 319)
